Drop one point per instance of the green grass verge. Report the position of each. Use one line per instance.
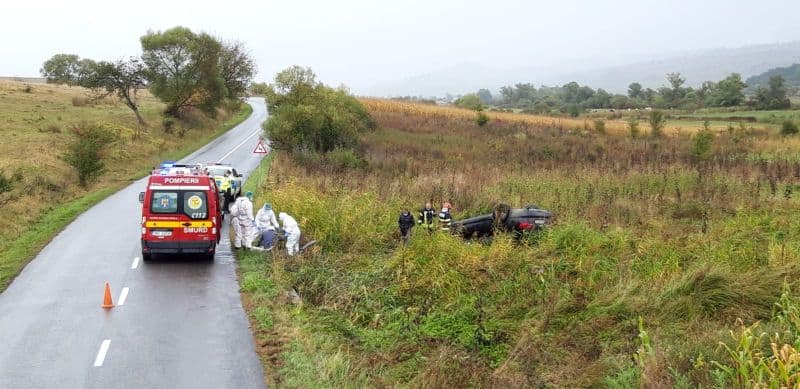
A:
(32, 241)
(22, 250)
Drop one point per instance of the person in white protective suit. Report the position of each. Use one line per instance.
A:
(292, 231)
(244, 217)
(233, 210)
(266, 225)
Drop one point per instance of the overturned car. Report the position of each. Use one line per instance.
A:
(503, 218)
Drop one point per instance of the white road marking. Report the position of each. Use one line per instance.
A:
(122, 296)
(135, 263)
(239, 145)
(101, 355)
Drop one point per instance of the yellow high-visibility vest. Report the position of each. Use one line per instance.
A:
(225, 184)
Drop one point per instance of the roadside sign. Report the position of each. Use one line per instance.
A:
(261, 148)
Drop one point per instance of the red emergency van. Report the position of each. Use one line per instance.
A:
(180, 214)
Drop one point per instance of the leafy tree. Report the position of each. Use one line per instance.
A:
(66, 69)
(705, 92)
(121, 78)
(236, 67)
(773, 98)
(508, 93)
(485, 95)
(600, 99)
(470, 101)
(259, 88)
(676, 81)
(649, 95)
(657, 120)
(673, 95)
(573, 110)
(183, 69)
(293, 86)
(635, 90)
(728, 92)
(622, 102)
(306, 115)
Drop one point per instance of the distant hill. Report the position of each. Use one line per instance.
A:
(695, 66)
(791, 74)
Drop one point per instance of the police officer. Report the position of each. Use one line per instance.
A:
(225, 188)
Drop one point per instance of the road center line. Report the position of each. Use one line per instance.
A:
(122, 296)
(239, 145)
(135, 263)
(101, 354)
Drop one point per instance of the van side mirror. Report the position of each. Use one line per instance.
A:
(141, 197)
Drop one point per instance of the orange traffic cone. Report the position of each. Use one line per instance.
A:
(107, 303)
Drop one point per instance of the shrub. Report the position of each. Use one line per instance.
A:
(701, 145)
(345, 159)
(657, 121)
(5, 183)
(27, 89)
(481, 119)
(633, 128)
(168, 124)
(600, 126)
(85, 153)
(789, 128)
(80, 101)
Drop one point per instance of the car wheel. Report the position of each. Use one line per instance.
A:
(147, 257)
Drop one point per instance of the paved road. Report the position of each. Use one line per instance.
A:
(181, 325)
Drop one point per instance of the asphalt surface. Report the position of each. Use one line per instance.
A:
(182, 324)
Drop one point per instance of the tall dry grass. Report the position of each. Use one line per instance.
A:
(642, 229)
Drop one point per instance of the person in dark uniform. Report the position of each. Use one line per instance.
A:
(406, 222)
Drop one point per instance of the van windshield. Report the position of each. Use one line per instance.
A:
(193, 204)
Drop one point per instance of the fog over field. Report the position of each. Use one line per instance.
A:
(422, 47)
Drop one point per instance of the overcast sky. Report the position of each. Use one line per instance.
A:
(362, 43)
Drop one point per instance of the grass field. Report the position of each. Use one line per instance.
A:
(618, 126)
(763, 117)
(661, 270)
(35, 125)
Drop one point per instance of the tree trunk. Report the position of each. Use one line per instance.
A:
(138, 116)
(132, 105)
